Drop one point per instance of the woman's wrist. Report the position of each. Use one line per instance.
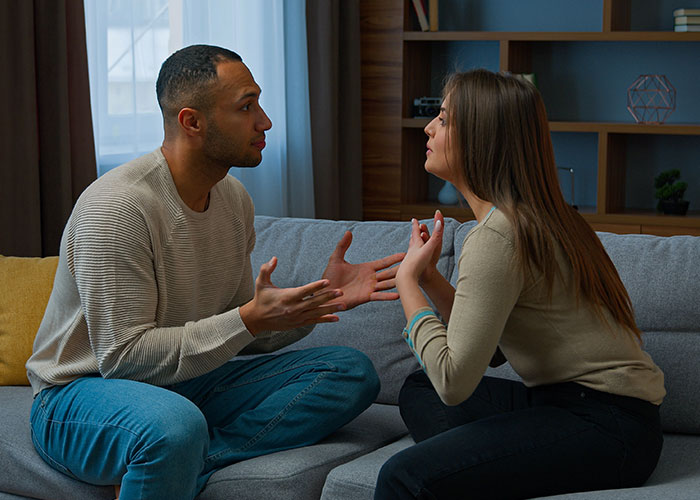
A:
(429, 276)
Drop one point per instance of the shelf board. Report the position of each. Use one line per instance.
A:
(626, 128)
(646, 218)
(551, 36)
(611, 127)
(630, 217)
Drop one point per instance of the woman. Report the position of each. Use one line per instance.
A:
(535, 286)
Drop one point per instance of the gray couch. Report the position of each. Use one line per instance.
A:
(661, 274)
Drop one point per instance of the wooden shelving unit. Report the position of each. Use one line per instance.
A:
(394, 60)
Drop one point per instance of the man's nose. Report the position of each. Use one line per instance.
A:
(264, 122)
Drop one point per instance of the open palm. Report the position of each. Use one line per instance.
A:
(364, 282)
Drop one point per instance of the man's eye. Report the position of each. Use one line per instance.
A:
(246, 107)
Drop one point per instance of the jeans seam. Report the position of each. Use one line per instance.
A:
(272, 423)
(224, 388)
(49, 459)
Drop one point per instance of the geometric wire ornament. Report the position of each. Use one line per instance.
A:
(651, 99)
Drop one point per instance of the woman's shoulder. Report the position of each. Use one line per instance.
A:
(495, 228)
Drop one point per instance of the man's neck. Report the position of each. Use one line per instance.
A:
(193, 179)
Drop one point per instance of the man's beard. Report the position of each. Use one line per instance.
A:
(218, 149)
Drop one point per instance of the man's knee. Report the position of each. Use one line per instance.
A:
(357, 370)
(180, 428)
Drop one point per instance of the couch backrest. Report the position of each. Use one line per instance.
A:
(303, 246)
(661, 274)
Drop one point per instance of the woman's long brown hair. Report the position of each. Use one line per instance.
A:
(498, 129)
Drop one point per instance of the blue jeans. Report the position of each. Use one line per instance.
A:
(507, 441)
(165, 442)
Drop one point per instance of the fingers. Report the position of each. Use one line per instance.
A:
(383, 296)
(387, 274)
(385, 284)
(265, 276)
(424, 233)
(415, 233)
(342, 246)
(387, 261)
(310, 289)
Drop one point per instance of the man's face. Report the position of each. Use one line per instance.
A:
(236, 123)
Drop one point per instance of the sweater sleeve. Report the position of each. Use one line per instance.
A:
(489, 284)
(110, 254)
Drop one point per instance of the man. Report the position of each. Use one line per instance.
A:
(154, 295)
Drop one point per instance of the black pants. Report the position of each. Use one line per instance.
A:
(508, 441)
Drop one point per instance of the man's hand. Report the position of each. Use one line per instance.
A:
(364, 282)
(275, 308)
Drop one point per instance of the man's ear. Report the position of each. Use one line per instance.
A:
(191, 121)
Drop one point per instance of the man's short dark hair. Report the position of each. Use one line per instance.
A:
(186, 76)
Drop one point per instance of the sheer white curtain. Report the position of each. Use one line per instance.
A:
(129, 39)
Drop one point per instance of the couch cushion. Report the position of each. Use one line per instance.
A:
(303, 247)
(678, 356)
(26, 287)
(24, 473)
(677, 476)
(303, 470)
(301, 473)
(661, 275)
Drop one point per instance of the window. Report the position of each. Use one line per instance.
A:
(129, 39)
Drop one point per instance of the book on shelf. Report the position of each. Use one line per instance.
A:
(687, 27)
(433, 14)
(686, 12)
(687, 20)
(419, 7)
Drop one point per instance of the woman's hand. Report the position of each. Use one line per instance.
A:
(420, 263)
(431, 273)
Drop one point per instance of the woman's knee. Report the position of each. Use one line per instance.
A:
(394, 478)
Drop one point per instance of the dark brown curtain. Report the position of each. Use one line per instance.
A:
(333, 38)
(47, 153)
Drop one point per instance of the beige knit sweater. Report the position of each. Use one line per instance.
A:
(146, 288)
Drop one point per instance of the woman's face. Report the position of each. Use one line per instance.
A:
(439, 155)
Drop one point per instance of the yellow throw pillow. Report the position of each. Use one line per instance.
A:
(25, 287)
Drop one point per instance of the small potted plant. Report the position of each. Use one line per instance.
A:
(670, 191)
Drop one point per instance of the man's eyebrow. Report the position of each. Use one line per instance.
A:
(250, 94)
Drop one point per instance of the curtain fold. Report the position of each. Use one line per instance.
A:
(47, 154)
(333, 37)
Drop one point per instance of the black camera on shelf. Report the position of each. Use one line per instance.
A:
(426, 107)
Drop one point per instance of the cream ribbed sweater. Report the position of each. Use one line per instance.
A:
(545, 342)
(146, 288)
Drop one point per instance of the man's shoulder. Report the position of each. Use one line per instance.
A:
(130, 181)
(235, 194)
